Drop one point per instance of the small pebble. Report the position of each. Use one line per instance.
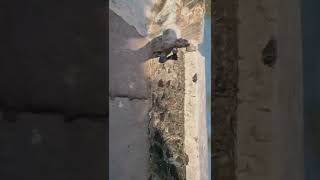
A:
(195, 78)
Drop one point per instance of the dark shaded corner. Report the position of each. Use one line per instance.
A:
(225, 88)
(52, 94)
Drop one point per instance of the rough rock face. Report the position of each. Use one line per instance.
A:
(184, 16)
(184, 162)
(166, 128)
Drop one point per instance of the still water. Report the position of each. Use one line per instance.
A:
(205, 50)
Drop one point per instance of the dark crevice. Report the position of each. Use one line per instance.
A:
(128, 97)
(10, 114)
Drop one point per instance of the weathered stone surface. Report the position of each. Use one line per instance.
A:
(126, 67)
(166, 91)
(225, 83)
(168, 159)
(53, 57)
(128, 140)
(133, 12)
(196, 136)
(190, 20)
(166, 128)
(192, 48)
(288, 121)
(45, 147)
(163, 16)
(266, 102)
(255, 90)
(129, 102)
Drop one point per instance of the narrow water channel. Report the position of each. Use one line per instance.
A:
(205, 50)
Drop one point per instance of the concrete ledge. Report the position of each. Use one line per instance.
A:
(196, 143)
(128, 140)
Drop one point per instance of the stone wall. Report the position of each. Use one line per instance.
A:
(196, 139)
(287, 119)
(45, 147)
(270, 110)
(129, 103)
(166, 128)
(167, 122)
(53, 58)
(225, 87)
(188, 23)
(257, 103)
(257, 27)
(52, 70)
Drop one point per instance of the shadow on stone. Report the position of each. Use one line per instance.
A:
(165, 164)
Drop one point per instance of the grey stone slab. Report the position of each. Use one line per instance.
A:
(128, 139)
(288, 122)
(53, 56)
(126, 74)
(45, 147)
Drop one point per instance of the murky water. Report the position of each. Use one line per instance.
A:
(205, 50)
